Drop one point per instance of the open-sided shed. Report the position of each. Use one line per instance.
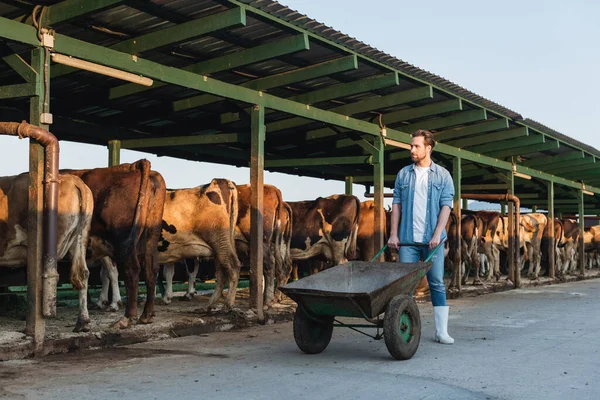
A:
(253, 83)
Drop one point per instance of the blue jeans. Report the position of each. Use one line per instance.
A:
(435, 276)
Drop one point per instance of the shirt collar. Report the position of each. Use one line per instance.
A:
(432, 167)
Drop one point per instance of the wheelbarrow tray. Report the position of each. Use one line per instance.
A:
(355, 289)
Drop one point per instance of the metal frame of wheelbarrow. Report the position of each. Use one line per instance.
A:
(313, 331)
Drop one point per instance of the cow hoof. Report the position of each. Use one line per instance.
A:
(188, 297)
(123, 323)
(82, 326)
(113, 307)
(146, 319)
(204, 310)
(166, 301)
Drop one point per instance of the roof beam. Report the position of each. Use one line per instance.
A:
(340, 90)
(589, 171)
(70, 9)
(302, 162)
(567, 166)
(172, 35)
(489, 138)
(18, 90)
(21, 67)
(236, 59)
(526, 141)
(482, 127)
(455, 119)
(402, 115)
(181, 141)
(395, 99)
(552, 160)
(282, 79)
(536, 148)
(369, 178)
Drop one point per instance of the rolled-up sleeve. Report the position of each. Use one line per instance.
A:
(447, 196)
(397, 190)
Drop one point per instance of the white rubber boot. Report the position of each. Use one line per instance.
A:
(440, 318)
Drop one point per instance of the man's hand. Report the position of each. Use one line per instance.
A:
(393, 242)
(435, 240)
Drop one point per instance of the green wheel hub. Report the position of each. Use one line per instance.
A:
(405, 327)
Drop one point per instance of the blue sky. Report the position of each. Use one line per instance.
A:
(538, 58)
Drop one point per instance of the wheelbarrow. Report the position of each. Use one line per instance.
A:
(361, 289)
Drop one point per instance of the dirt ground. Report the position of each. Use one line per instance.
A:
(180, 318)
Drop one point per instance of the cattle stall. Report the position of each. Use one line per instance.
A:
(255, 84)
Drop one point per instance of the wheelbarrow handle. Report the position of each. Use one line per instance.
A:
(412, 245)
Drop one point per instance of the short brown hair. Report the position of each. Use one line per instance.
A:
(427, 137)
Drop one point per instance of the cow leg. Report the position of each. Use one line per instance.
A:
(79, 278)
(103, 299)
(132, 281)
(495, 262)
(169, 273)
(219, 286)
(191, 291)
(109, 275)
(151, 269)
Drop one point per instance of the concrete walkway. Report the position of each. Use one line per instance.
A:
(539, 343)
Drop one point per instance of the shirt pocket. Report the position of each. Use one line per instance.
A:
(404, 191)
(436, 192)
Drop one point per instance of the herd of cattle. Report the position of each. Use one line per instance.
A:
(124, 217)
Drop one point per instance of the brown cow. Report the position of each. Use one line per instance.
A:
(325, 228)
(283, 239)
(558, 237)
(365, 245)
(273, 215)
(75, 208)
(569, 246)
(201, 222)
(128, 208)
(469, 245)
(490, 226)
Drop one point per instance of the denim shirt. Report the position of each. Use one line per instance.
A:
(440, 192)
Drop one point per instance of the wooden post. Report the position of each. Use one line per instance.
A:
(257, 165)
(514, 273)
(457, 177)
(349, 182)
(36, 325)
(114, 152)
(551, 242)
(378, 182)
(581, 212)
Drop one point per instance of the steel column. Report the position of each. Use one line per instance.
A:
(257, 167)
(349, 182)
(378, 182)
(36, 326)
(581, 212)
(456, 175)
(551, 239)
(114, 152)
(514, 271)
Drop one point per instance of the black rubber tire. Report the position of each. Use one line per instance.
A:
(312, 336)
(402, 327)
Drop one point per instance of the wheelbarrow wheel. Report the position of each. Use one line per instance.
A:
(312, 334)
(402, 327)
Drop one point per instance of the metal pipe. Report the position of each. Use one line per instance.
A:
(514, 199)
(51, 150)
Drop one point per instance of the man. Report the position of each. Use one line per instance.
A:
(424, 192)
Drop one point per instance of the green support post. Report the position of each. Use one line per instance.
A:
(114, 152)
(551, 239)
(514, 271)
(36, 326)
(257, 167)
(349, 182)
(465, 204)
(378, 182)
(581, 213)
(503, 208)
(457, 177)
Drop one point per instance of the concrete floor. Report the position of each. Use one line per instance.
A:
(539, 343)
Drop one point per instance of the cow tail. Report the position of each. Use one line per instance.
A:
(287, 238)
(351, 248)
(233, 217)
(80, 273)
(130, 244)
